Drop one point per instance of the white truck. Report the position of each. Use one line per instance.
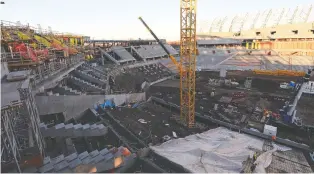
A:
(285, 86)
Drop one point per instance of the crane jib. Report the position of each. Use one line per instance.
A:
(155, 37)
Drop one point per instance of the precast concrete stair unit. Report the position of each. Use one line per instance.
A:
(103, 52)
(155, 71)
(94, 71)
(65, 90)
(89, 77)
(153, 51)
(84, 84)
(73, 130)
(123, 53)
(102, 160)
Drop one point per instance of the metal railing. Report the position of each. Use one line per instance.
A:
(47, 70)
(9, 24)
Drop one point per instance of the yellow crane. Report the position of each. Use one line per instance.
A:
(187, 65)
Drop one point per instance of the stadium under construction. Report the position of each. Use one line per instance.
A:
(70, 104)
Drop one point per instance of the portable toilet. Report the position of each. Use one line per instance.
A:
(270, 130)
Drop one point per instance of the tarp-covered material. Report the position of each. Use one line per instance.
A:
(215, 151)
(265, 159)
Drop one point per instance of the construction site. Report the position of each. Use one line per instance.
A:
(214, 102)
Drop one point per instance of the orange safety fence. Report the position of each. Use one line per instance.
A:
(279, 73)
(307, 45)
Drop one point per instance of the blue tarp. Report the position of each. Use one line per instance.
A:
(106, 104)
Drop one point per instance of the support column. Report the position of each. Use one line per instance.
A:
(39, 69)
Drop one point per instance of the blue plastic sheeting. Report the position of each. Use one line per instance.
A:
(108, 104)
(135, 105)
(292, 84)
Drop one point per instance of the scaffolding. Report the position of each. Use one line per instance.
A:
(20, 133)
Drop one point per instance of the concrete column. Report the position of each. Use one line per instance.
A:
(102, 59)
(40, 72)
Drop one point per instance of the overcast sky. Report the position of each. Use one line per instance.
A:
(118, 19)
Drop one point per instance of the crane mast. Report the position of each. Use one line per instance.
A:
(188, 60)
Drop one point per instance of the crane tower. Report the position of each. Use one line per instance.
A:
(188, 60)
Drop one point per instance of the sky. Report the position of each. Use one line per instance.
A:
(118, 19)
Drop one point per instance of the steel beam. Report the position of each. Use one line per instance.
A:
(213, 25)
(307, 14)
(232, 23)
(244, 21)
(255, 20)
(278, 20)
(294, 16)
(267, 18)
(222, 24)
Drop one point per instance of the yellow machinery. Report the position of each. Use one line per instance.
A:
(187, 65)
(253, 45)
(88, 56)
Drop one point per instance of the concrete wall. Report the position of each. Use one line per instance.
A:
(127, 98)
(4, 69)
(73, 106)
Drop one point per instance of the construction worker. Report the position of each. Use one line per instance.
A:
(111, 84)
(254, 157)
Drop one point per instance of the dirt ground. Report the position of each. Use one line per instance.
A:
(156, 123)
(272, 99)
(131, 79)
(205, 101)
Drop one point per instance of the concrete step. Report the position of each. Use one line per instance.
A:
(88, 77)
(63, 90)
(70, 130)
(85, 83)
(103, 160)
(86, 65)
(75, 92)
(109, 56)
